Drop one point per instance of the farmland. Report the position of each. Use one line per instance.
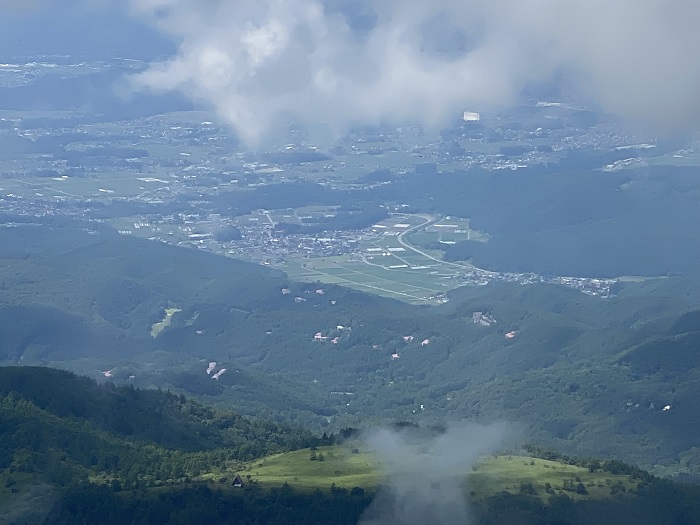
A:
(387, 262)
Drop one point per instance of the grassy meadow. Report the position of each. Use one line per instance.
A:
(491, 475)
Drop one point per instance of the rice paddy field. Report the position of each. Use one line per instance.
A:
(104, 185)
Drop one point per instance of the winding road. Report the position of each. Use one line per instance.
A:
(429, 221)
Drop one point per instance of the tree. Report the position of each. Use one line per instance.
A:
(528, 488)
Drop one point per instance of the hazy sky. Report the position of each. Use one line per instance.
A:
(93, 29)
(261, 62)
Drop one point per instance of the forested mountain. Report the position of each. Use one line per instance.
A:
(152, 416)
(584, 374)
(63, 436)
(69, 455)
(67, 429)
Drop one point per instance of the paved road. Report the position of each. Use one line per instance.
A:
(428, 221)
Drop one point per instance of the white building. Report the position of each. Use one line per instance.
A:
(471, 116)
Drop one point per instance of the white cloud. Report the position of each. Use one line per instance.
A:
(260, 62)
(424, 473)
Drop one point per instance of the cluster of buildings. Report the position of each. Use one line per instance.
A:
(334, 337)
(215, 375)
(597, 287)
(185, 162)
(483, 319)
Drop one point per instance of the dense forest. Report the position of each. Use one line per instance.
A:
(160, 417)
(67, 447)
(585, 375)
(71, 427)
(659, 502)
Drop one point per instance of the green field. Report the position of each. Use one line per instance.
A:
(510, 473)
(447, 230)
(414, 286)
(161, 325)
(24, 500)
(339, 466)
(103, 185)
(687, 159)
(386, 266)
(490, 476)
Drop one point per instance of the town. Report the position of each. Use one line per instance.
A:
(172, 177)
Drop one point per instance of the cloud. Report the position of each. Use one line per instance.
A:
(425, 474)
(261, 63)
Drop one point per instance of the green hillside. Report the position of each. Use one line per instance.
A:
(338, 466)
(64, 469)
(67, 457)
(586, 375)
(68, 428)
(492, 475)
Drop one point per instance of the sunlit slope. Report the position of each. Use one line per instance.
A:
(339, 466)
(347, 466)
(534, 476)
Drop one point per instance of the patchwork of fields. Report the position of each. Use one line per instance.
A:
(392, 264)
